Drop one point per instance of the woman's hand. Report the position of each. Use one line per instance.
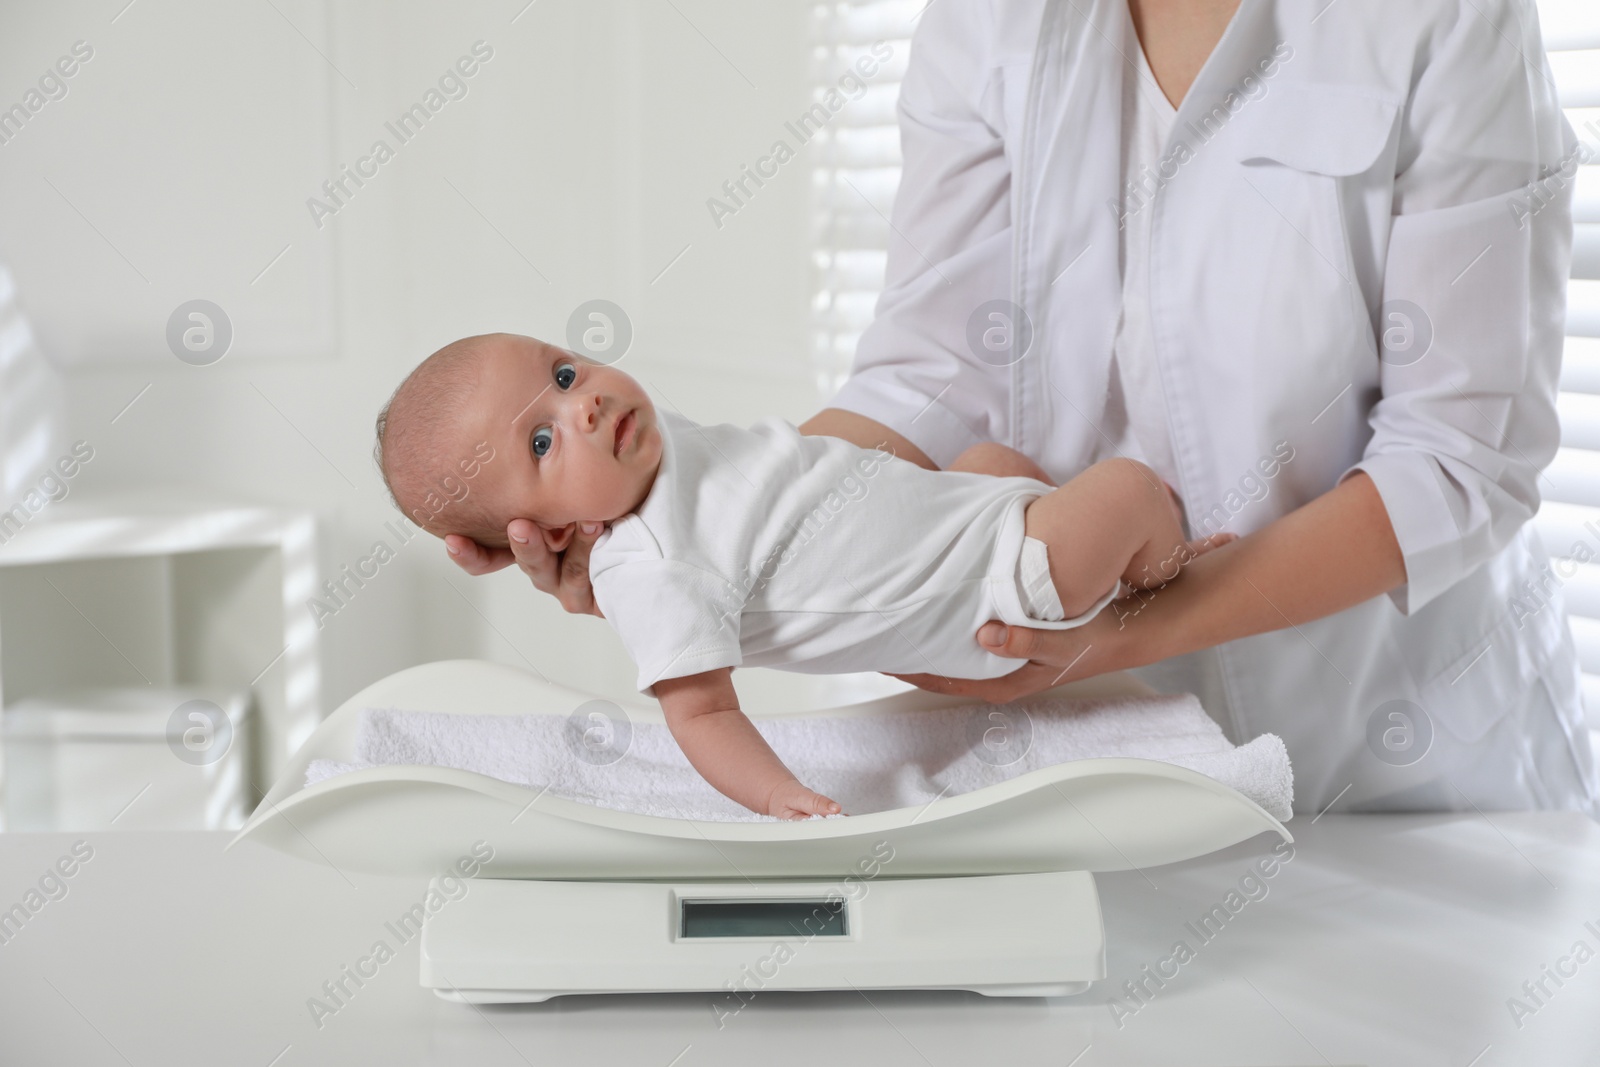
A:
(1056, 656)
(1333, 552)
(564, 575)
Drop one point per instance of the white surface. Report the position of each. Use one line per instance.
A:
(1388, 941)
(507, 941)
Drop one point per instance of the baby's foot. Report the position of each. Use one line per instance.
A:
(791, 800)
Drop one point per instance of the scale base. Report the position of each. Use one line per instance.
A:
(530, 996)
(513, 941)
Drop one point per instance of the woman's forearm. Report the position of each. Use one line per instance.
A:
(1331, 554)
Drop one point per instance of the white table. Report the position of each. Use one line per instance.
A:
(1385, 940)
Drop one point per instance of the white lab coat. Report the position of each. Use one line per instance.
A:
(1372, 157)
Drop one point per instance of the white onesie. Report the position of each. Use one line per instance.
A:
(763, 547)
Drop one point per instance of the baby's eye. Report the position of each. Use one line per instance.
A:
(566, 374)
(543, 438)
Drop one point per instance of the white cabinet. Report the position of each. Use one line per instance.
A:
(164, 591)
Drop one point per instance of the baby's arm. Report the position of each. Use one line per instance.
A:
(1115, 520)
(702, 711)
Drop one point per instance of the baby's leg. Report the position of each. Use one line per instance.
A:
(1115, 520)
(1000, 461)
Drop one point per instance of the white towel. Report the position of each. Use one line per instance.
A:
(870, 763)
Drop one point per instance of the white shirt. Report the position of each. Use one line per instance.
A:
(1136, 408)
(1336, 159)
(767, 548)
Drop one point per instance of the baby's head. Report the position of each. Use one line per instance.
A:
(500, 427)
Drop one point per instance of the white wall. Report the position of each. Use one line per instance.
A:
(590, 141)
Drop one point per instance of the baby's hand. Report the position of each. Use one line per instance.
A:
(791, 800)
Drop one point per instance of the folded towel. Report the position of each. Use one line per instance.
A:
(870, 763)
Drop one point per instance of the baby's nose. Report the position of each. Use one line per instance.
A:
(589, 410)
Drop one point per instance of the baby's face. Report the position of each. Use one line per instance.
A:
(580, 439)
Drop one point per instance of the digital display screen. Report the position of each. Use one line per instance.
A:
(762, 918)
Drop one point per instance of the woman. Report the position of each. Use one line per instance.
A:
(1284, 253)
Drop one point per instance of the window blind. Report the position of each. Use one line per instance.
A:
(856, 170)
(1569, 518)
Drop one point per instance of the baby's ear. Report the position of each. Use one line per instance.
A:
(557, 538)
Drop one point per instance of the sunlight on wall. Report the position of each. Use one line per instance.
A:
(30, 401)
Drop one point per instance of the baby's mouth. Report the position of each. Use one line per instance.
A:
(625, 428)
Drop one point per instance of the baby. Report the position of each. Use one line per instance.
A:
(728, 546)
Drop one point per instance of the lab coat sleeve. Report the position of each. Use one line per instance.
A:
(949, 245)
(1478, 253)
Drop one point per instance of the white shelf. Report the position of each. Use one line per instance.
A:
(144, 525)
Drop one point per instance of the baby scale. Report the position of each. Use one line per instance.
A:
(991, 891)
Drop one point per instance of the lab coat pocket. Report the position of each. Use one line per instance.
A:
(1298, 144)
(1333, 130)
